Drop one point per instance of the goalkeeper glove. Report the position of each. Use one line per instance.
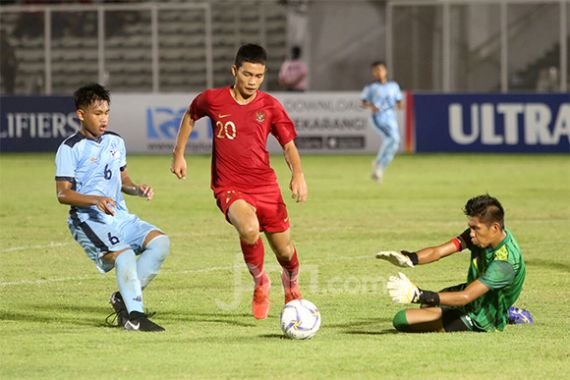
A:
(402, 290)
(401, 259)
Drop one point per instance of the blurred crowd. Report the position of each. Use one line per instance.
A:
(43, 2)
(31, 25)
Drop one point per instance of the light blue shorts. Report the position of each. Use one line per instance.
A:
(98, 237)
(385, 126)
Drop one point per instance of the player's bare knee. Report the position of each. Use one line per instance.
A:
(285, 251)
(249, 234)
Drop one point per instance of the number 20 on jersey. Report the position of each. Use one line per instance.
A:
(226, 130)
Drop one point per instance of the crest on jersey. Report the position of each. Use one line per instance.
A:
(260, 116)
(115, 153)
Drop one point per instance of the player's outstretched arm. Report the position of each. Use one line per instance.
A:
(298, 186)
(431, 254)
(403, 259)
(130, 188)
(423, 256)
(67, 196)
(178, 165)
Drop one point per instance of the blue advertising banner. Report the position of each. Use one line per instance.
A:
(492, 122)
(34, 123)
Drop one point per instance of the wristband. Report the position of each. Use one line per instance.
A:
(429, 298)
(412, 256)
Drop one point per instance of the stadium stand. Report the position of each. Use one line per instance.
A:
(182, 62)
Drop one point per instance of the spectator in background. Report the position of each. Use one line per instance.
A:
(548, 80)
(8, 65)
(293, 72)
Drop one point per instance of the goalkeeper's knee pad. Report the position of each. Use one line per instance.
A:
(400, 321)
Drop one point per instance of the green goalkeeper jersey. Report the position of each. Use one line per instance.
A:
(502, 269)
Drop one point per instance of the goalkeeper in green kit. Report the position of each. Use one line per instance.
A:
(494, 280)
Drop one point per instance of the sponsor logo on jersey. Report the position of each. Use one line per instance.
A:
(220, 116)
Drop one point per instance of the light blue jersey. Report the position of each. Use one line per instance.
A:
(384, 97)
(385, 122)
(94, 168)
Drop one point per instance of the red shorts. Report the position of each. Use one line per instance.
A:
(269, 208)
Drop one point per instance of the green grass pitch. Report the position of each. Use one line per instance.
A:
(53, 302)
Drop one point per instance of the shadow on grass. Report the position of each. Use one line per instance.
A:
(273, 336)
(84, 315)
(52, 318)
(361, 322)
(549, 264)
(96, 315)
(242, 319)
(368, 332)
(68, 308)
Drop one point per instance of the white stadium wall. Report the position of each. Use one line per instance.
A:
(331, 122)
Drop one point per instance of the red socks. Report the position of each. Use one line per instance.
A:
(290, 270)
(253, 255)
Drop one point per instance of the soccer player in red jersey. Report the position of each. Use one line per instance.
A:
(244, 185)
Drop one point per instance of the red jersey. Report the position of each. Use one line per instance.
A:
(240, 160)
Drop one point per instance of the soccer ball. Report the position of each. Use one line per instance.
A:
(300, 319)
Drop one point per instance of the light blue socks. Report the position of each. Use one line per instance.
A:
(128, 280)
(151, 259)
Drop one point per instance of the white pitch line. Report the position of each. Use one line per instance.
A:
(45, 281)
(89, 277)
(31, 247)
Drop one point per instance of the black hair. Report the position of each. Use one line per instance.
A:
(295, 52)
(90, 93)
(488, 209)
(250, 53)
(379, 63)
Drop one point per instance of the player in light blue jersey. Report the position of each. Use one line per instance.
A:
(91, 175)
(382, 97)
